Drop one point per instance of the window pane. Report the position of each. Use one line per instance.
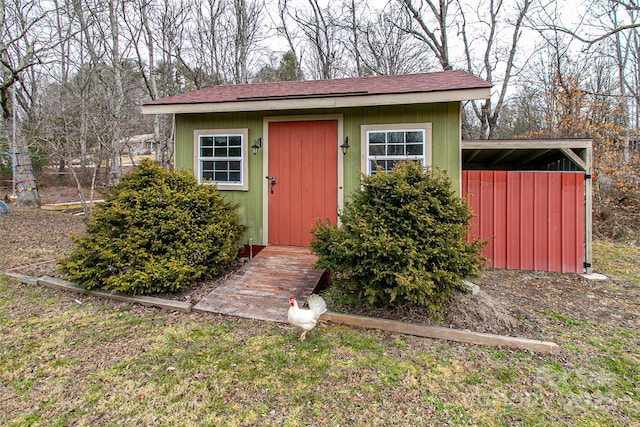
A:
(235, 141)
(415, 137)
(221, 141)
(207, 176)
(384, 164)
(373, 166)
(221, 166)
(207, 166)
(376, 150)
(414, 149)
(206, 141)
(235, 152)
(234, 166)
(234, 176)
(397, 137)
(376, 137)
(221, 152)
(221, 176)
(395, 150)
(206, 152)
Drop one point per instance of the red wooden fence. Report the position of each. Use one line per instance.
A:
(533, 220)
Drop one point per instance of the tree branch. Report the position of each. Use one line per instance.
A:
(591, 42)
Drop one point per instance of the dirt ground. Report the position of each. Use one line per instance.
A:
(511, 303)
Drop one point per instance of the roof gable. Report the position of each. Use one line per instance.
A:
(384, 90)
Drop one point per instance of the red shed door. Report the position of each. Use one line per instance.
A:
(302, 179)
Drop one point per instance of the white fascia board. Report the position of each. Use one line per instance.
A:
(314, 102)
(524, 144)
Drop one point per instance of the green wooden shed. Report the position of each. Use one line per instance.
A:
(291, 152)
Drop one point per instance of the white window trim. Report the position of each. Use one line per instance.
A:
(364, 129)
(243, 185)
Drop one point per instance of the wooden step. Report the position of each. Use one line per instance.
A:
(261, 287)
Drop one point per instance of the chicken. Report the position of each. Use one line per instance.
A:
(306, 318)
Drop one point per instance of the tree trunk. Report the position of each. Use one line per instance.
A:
(152, 85)
(116, 144)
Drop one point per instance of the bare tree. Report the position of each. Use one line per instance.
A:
(118, 92)
(169, 23)
(385, 48)
(607, 31)
(621, 43)
(223, 41)
(99, 23)
(286, 69)
(21, 25)
(204, 59)
(496, 56)
(632, 83)
(321, 34)
(67, 106)
(356, 11)
(140, 25)
(288, 30)
(65, 137)
(432, 26)
(245, 35)
(631, 6)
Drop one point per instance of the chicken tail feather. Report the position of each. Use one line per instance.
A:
(317, 304)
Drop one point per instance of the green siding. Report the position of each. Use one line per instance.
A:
(445, 137)
(250, 202)
(444, 118)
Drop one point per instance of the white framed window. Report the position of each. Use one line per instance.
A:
(385, 145)
(221, 157)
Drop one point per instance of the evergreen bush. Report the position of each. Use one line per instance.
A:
(158, 231)
(402, 239)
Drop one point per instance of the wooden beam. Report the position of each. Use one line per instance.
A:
(588, 211)
(21, 278)
(472, 156)
(577, 160)
(438, 332)
(67, 205)
(524, 144)
(52, 282)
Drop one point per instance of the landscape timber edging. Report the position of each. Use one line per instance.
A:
(52, 282)
(166, 304)
(68, 205)
(31, 280)
(439, 332)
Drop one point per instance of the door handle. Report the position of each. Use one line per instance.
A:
(273, 181)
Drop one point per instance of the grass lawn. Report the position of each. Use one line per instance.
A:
(69, 360)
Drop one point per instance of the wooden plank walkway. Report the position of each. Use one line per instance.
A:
(260, 289)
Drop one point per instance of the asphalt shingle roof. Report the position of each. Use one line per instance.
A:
(304, 89)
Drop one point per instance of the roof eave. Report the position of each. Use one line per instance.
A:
(314, 102)
(525, 144)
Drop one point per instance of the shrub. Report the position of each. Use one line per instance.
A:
(402, 239)
(158, 231)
